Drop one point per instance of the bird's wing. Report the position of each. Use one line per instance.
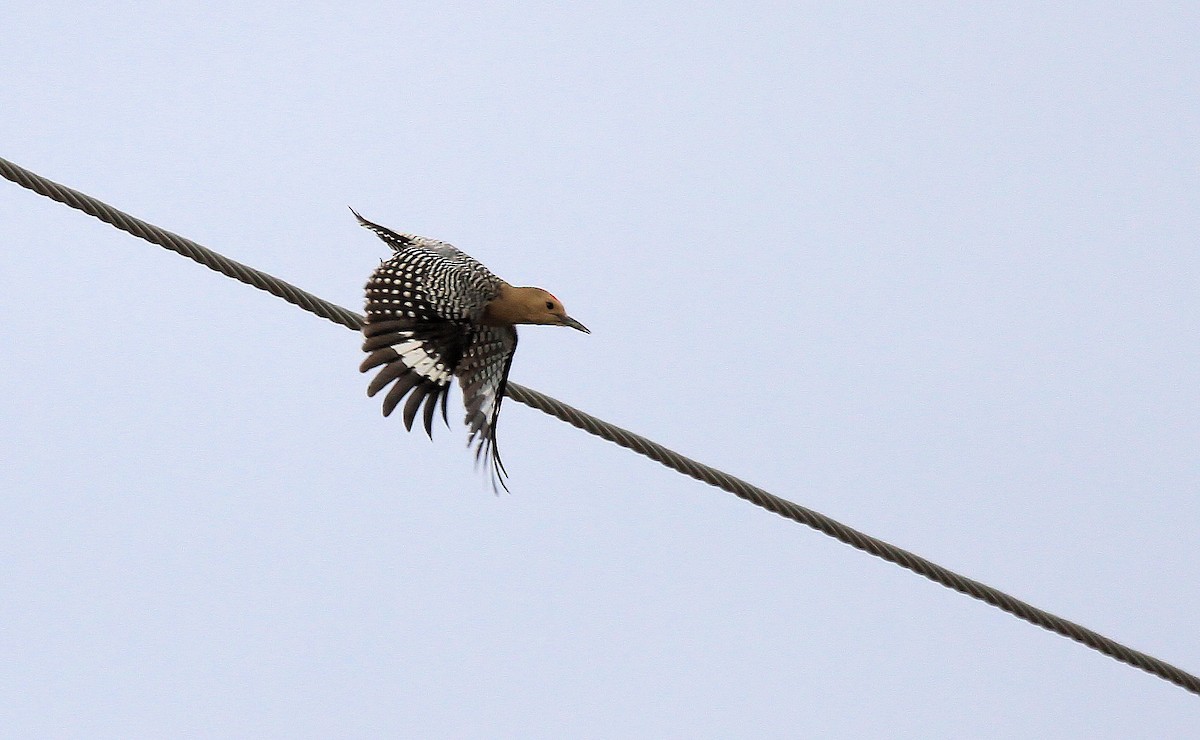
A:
(483, 375)
(415, 332)
(423, 309)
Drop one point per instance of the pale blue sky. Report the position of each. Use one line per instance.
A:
(930, 269)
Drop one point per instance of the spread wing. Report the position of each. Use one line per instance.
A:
(483, 374)
(421, 329)
(419, 316)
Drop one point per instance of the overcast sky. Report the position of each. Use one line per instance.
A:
(930, 269)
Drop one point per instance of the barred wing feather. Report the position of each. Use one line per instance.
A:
(483, 375)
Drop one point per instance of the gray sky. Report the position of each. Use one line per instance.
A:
(929, 269)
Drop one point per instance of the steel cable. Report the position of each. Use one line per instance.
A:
(622, 437)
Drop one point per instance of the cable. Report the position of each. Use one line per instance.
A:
(622, 437)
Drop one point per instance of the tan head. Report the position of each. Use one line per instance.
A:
(528, 306)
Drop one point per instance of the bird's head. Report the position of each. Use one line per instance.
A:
(530, 306)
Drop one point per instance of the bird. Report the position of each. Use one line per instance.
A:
(433, 313)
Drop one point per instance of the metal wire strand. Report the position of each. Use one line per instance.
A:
(622, 437)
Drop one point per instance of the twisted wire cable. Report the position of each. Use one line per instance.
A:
(623, 437)
(180, 245)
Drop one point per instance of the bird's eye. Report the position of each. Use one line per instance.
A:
(550, 305)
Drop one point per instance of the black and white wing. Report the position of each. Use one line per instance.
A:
(421, 309)
(483, 375)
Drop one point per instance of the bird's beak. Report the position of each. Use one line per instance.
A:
(568, 321)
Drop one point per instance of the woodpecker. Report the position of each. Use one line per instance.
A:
(434, 313)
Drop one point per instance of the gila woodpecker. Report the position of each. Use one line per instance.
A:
(434, 313)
